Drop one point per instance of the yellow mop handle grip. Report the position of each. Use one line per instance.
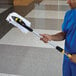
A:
(63, 52)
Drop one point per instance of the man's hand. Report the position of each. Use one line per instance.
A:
(45, 38)
(73, 59)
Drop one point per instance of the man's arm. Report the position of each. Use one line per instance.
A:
(56, 37)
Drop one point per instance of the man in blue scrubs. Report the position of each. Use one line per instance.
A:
(69, 34)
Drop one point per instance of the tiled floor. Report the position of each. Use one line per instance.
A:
(24, 54)
(3, 9)
(29, 61)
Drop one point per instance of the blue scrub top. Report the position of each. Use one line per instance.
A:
(69, 27)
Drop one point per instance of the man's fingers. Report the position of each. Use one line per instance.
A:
(44, 40)
(73, 59)
(44, 35)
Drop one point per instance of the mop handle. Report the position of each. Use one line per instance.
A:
(52, 44)
(38, 35)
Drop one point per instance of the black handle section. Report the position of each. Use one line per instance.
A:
(59, 48)
(18, 20)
